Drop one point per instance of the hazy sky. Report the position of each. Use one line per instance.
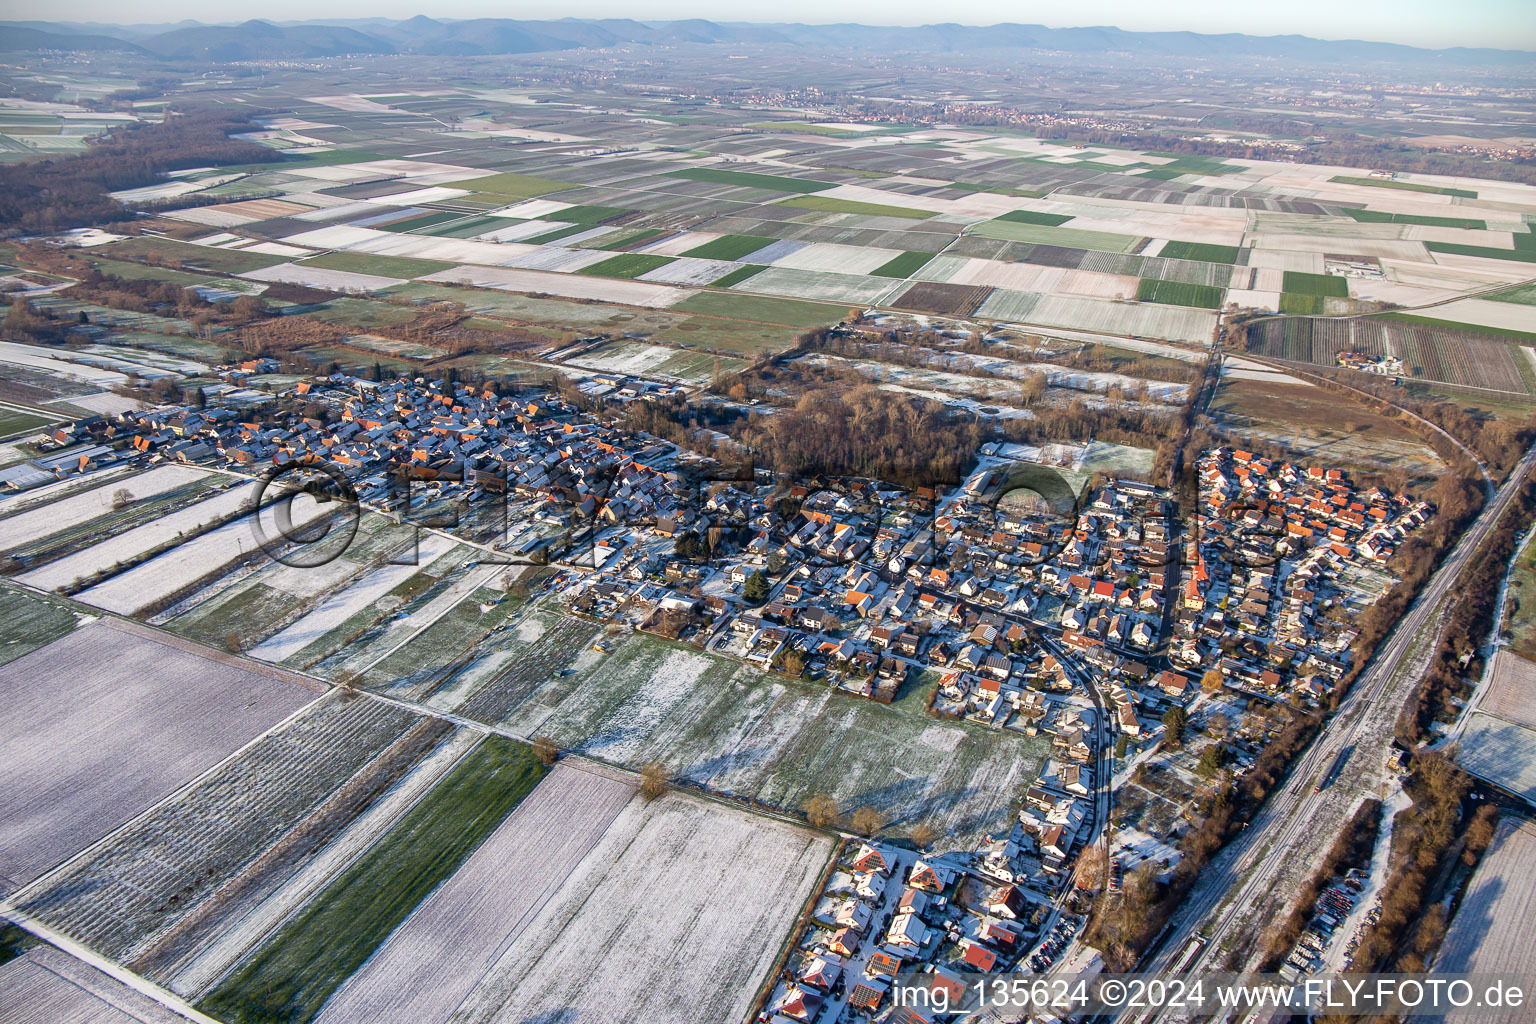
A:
(1507, 24)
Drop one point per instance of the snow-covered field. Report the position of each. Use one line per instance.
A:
(690, 270)
(683, 904)
(574, 286)
(627, 357)
(343, 604)
(810, 284)
(444, 949)
(134, 542)
(26, 527)
(163, 575)
(319, 277)
(720, 724)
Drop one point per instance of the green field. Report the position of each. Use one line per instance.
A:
(205, 257)
(31, 621)
(1524, 294)
(14, 421)
(1184, 163)
(1015, 193)
(426, 220)
(736, 276)
(1067, 238)
(292, 974)
(329, 158)
(1176, 293)
(557, 234)
(762, 309)
(513, 186)
(801, 128)
(729, 247)
(1378, 217)
(905, 265)
(1328, 285)
(1205, 252)
(145, 272)
(470, 227)
(1301, 304)
(630, 264)
(1035, 217)
(1404, 186)
(1456, 325)
(590, 216)
(849, 206)
(748, 179)
(625, 238)
(1487, 252)
(383, 266)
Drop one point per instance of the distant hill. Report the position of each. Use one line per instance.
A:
(19, 37)
(257, 40)
(261, 40)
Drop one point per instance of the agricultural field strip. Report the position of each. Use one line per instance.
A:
(438, 955)
(342, 604)
(131, 543)
(717, 724)
(237, 937)
(48, 986)
(427, 617)
(162, 576)
(684, 902)
(1490, 932)
(78, 709)
(56, 516)
(206, 835)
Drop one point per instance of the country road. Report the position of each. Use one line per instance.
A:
(1249, 884)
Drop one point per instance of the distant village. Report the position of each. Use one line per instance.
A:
(1085, 622)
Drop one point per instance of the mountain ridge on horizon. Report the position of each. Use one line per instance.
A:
(259, 39)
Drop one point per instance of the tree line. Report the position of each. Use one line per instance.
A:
(46, 196)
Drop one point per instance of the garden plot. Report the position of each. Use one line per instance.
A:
(66, 512)
(246, 605)
(574, 286)
(728, 727)
(104, 697)
(807, 284)
(343, 604)
(319, 277)
(130, 544)
(160, 578)
(134, 897)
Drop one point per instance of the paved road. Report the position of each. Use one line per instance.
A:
(1296, 827)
